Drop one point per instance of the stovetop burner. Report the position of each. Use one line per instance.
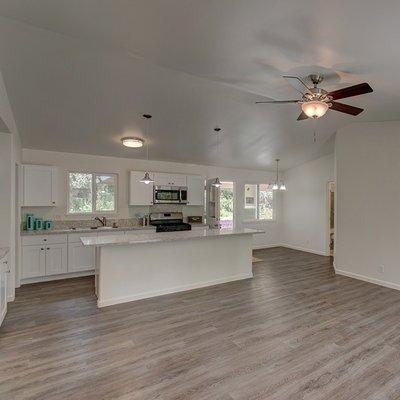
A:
(169, 222)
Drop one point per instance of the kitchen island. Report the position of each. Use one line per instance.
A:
(139, 266)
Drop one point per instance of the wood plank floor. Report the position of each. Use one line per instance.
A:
(292, 332)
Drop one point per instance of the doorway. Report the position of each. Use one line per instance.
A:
(331, 218)
(226, 208)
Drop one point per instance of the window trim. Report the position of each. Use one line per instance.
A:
(94, 193)
(259, 220)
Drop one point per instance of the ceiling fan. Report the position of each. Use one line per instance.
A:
(315, 101)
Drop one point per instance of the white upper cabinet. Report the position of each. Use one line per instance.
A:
(39, 185)
(140, 194)
(195, 185)
(164, 179)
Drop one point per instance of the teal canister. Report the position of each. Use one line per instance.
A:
(48, 225)
(30, 222)
(38, 224)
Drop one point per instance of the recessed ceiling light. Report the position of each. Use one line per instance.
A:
(132, 142)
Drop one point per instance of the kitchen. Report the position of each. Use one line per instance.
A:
(58, 253)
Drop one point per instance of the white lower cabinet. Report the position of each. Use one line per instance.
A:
(33, 261)
(80, 257)
(56, 259)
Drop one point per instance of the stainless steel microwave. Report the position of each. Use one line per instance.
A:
(170, 195)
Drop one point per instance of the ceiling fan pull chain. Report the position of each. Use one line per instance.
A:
(315, 130)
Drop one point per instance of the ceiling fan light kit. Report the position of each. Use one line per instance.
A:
(315, 108)
(315, 102)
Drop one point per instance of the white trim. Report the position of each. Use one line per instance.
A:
(3, 315)
(56, 277)
(118, 300)
(265, 246)
(320, 253)
(368, 279)
(10, 297)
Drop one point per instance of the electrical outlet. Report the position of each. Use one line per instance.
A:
(381, 269)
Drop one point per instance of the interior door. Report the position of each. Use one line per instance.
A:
(56, 259)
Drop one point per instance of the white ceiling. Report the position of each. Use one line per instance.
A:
(80, 73)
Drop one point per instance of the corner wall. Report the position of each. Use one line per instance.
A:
(305, 206)
(368, 199)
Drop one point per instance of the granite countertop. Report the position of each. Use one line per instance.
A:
(85, 230)
(165, 236)
(4, 251)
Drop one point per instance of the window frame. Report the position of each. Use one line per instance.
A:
(259, 220)
(94, 193)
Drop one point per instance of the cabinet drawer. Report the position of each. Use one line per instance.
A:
(76, 237)
(43, 239)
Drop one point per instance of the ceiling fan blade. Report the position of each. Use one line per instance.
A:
(345, 108)
(350, 91)
(297, 83)
(277, 101)
(302, 116)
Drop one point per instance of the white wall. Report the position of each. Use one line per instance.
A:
(10, 154)
(305, 206)
(81, 162)
(368, 199)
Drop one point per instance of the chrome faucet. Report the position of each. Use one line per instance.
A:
(102, 220)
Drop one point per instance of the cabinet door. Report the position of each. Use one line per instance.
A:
(140, 194)
(178, 180)
(56, 259)
(33, 261)
(195, 185)
(80, 257)
(39, 185)
(163, 179)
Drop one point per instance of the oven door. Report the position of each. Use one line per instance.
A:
(166, 195)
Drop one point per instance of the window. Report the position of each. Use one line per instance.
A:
(258, 202)
(90, 193)
(226, 205)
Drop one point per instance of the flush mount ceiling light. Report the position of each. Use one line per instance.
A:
(315, 108)
(278, 185)
(147, 178)
(132, 142)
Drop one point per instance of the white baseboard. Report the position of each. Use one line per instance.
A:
(2, 316)
(368, 279)
(140, 296)
(11, 297)
(320, 253)
(56, 277)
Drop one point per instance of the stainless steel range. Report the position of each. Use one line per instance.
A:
(169, 222)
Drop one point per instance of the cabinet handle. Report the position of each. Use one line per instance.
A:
(42, 248)
(48, 248)
(44, 240)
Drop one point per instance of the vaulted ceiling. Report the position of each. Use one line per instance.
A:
(79, 74)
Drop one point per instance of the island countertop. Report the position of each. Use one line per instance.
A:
(133, 238)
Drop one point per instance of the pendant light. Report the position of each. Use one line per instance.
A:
(217, 183)
(147, 179)
(278, 185)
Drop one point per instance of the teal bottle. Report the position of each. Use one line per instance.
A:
(30, 222)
